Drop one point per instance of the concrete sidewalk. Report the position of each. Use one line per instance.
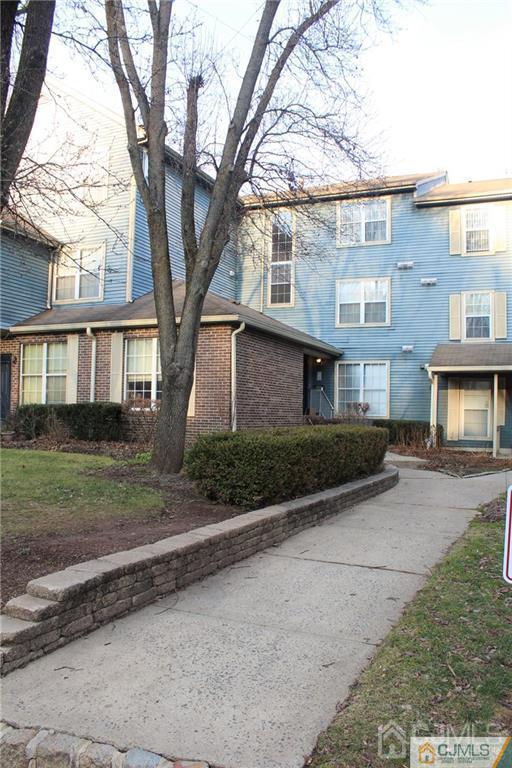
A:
(245, 668)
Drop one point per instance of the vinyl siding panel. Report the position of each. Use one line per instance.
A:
(419, 314)
(223, 283)
(23, 278)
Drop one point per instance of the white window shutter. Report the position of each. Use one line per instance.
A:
(455, 231)
(500, 315)
(502, 396)
(455, 317)
(452, 427)
(116, 368)
(500, 227)
(72, 370)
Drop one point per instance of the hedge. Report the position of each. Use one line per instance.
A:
(82, 421)
(259, 467)
(408, 432)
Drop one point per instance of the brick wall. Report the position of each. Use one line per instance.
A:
(269, 381)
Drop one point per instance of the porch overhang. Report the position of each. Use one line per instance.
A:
(471, 357)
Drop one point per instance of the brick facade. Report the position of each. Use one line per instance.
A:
(269, 377)
(270, 374)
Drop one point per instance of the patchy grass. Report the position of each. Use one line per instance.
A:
(49, 491)
(445, 664)
(455, 462)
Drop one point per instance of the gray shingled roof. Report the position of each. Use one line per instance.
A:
(470, 355)
(141, 312)
(467, 192)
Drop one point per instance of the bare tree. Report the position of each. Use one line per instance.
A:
(19, 99)
(316, 42)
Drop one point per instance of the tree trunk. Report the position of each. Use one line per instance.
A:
(169, 443)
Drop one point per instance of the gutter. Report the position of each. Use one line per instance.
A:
(444, 201)
(92, 394)
(235, 333)
(313, 198)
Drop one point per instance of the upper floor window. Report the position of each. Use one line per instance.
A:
(280, 283)
(478, 312)
(78, 275)
(477, 229)
(43, 373)
(143, 376)
(364, 221)
(363, 386)
(363, 302)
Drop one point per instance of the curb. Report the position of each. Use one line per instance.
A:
(61, 606)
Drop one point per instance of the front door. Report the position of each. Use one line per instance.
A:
(5, 387)
(476, 409)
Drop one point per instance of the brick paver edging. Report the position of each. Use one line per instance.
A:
(63, 605)
(41, 748)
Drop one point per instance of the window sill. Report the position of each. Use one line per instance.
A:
(363, 325)
(77, 301)
(363, 244)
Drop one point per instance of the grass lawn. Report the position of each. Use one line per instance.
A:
(446, 663)
(45, 491)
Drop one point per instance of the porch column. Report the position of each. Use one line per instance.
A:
(495, 438)
(433, 400)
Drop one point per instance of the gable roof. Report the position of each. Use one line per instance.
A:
(142, 313)
(346, 189)
(467, 192)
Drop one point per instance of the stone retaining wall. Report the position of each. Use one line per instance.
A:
(41, 748)
(64, 605)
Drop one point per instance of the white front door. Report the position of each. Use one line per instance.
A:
(475, 409)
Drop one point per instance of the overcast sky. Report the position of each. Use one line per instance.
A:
(439, 88)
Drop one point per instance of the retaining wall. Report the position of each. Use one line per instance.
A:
(63, 605)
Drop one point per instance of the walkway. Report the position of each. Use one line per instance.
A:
(244, 669)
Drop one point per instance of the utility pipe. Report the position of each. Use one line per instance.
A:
(92, 394)
(240, 329)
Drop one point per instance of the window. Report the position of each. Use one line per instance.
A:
(475, 406)
(281, 260)
(78, 275)
(143, 378)
(477, 237)
(364, 221)
(43, 373)
(478, 311)
(364, 382)
(363, 302)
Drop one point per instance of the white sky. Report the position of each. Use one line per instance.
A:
(439, 88)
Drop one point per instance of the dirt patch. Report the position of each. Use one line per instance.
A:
(28, 557)
(117, 450)
(494, 510)
(453, 462)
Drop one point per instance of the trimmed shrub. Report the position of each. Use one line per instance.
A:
(408, 432)
(259, 467)
(81, 421)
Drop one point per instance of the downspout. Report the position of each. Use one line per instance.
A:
(92, 395)
(240, 329)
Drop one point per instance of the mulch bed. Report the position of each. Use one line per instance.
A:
(454, 462)
(28, 557)
(119, 450)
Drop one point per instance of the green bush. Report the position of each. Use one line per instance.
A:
(82, 421)
(259, 467)
(408, 432)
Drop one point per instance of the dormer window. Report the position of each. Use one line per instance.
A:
(78, 275)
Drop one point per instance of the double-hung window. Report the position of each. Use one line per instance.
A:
(79, 275)
(43, 373)
(363, 302)
(363, 382)
(364, 221)
(280, 283)
(143, 377)
(478, 315)
(477, 229)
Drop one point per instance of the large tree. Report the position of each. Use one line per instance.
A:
(20, 92)
(294, 89)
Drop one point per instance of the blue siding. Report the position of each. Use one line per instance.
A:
(23, 278)
(419, 314)
(223, 283)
